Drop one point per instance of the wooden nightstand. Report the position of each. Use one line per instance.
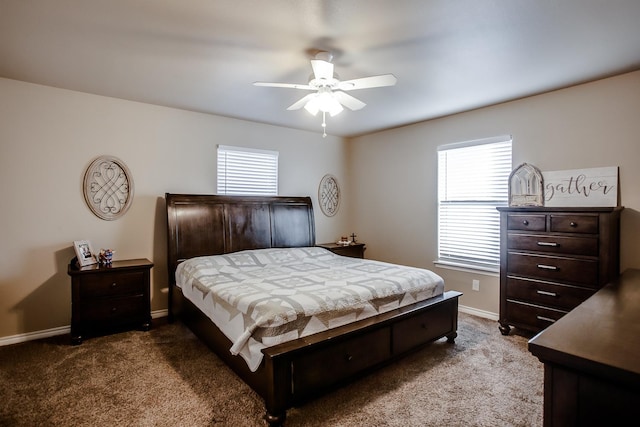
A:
(106, 299)
(354, 250)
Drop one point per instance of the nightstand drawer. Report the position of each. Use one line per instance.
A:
(112, 284)
(548, 294)
(553, 244)
(562, 269)
(114, 310)
(574, 223)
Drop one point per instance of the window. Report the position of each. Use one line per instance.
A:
(473, 179)
(247, 171)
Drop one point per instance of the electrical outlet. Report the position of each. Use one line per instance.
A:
(475, 285)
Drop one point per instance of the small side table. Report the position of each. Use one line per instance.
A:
(109, 298)
(354, 250)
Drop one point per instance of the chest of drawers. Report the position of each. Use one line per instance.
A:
(104, 299)
(553, 259)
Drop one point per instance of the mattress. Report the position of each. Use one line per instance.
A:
(263, 297)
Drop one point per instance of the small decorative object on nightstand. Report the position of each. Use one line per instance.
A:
(354, 250)
(106, 298)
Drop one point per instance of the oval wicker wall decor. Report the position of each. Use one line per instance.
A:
(108, 187)
(329, 195)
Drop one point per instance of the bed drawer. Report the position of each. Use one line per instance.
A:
(548, 294)
(553, 244)
(421, 329)
(563, 269)
(346, 358)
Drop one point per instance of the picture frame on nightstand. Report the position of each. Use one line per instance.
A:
(84, 253)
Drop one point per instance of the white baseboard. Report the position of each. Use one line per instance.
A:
(479, 313)
(30, 336)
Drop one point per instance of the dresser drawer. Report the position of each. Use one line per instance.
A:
(547, 294)
(530, 222)
(574, 223)
(112, 284)
(346, 358)
(421, 329)
(553, 244)
(114, 310)
(556, 268)
(532, 316)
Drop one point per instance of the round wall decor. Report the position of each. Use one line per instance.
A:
(329, 195)
(108, 187)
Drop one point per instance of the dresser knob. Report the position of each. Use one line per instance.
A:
(525, 222)
(348, 357)
(113, 285)
(573, 224)
(114, 309)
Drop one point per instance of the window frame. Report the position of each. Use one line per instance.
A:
(232, 174)
(491, 216)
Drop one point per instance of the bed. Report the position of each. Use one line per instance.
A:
(228, 242)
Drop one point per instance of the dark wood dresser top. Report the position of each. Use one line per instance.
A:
(601, 336)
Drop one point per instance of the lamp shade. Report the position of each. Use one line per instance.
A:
(324, 101)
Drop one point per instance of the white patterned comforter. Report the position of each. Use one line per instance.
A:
(263, 297)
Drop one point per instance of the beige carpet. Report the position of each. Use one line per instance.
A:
(167, 377)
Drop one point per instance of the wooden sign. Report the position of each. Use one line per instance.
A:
(596, 187)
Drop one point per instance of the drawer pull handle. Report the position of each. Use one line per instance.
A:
(547, 267)
(525, 222)
(113, 285)
(573, 224)
(549, 294)
(546, 319)
(551, 244)
(348, 357)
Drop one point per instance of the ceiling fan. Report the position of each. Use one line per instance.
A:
(329, 92)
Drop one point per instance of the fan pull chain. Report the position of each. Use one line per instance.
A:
(324, 125)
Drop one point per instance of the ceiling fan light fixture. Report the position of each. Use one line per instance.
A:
(324, 101)
(330, 96)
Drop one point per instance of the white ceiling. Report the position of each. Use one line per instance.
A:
(203, 55)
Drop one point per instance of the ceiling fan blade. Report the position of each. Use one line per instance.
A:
(287, 85)
(322, 69)
(301, 102)
(348, 101)
(368, 82)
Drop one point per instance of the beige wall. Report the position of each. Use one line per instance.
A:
(49, 136)
(392, 174)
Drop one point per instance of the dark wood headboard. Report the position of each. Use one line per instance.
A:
(200, 225)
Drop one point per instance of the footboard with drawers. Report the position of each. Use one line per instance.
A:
(553, 259)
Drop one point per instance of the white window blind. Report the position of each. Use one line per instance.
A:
(473, 179)
(247, 171)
